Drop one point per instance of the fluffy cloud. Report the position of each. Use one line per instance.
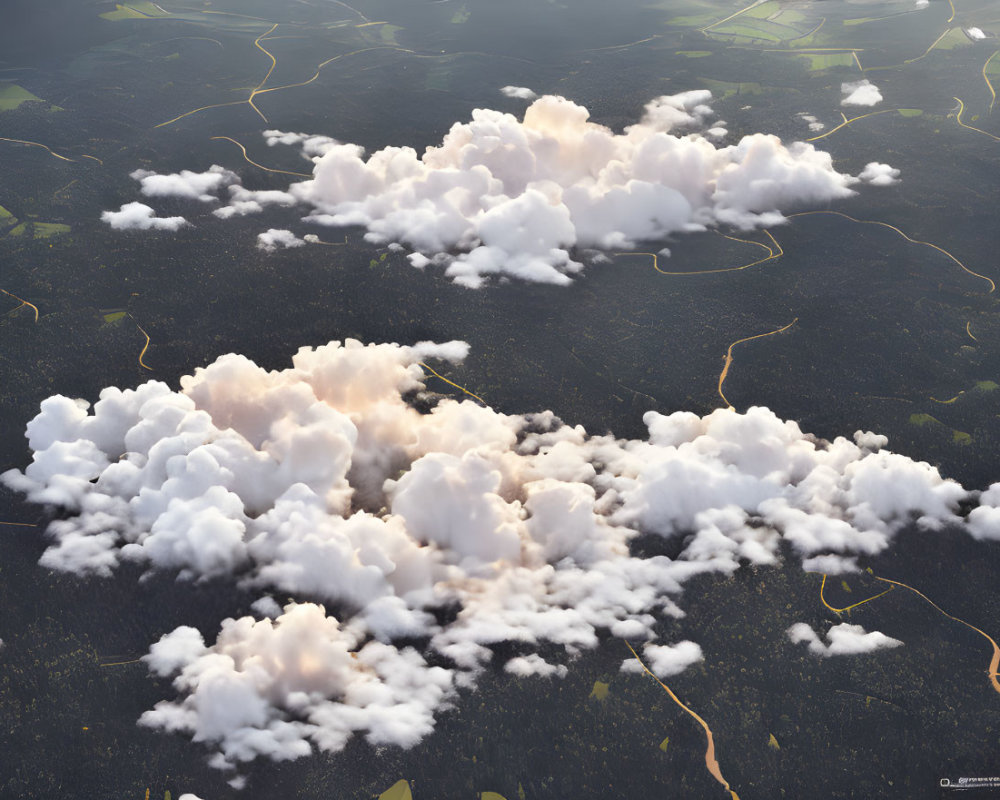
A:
(814, 124)
(139, 216)
(984, 521)
(534, 665)
(274, 238)
(276, 688)
(860, 93)
(244, 201)
(975, 34)
(665, 661)
(844, 640)
(191, 185)
(310, 145)
(517, 196)
(519, 92)
(528, 198)
(878, 174)
(322, 482)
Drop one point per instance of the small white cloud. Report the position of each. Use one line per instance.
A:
(266, 606)
(984, 521)
(138, 216)
(312, 145)
(860, 93)
(274, 238)
(519, 92)
(813, 123)
(191, 185)
(844, 640)
(975, 34)
(876, 174)
(866, 439)
(534, 665)
(831, 564)
(671, 659)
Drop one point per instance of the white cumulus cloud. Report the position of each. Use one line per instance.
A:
(518, 197)
(844, 640)
(878, 174)
(275, 238)
(860, 93)
(321, 482)
(814, 124)
(665, 661)
(519, 92)
(201, 186)
(530, 198)
(139, 216)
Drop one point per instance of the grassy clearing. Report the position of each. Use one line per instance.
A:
(954, 38)
(860, 21)
(823, 61)
(693, 20)
(141, 9)
(726, 89)
(7, 220)
(40, 230)
(13, 96)
(764, 23)
(388, 34)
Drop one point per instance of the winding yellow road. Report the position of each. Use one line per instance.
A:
(260, 88)
(993, 94)
(732, 16)
(44, 147)
(22, 302)
(993, 285)
(926, 52)
(145, 347)
(772, 254)
(949, 401)
(847, 122)
(994, 667)
(261, 166)
(729, 356)
(958, 119)
(452, 383)
(274, 63)
(845, 609)
(710, 761)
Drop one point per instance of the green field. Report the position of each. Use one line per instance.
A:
(822, 61)
(12, 96)
(725, 89)
(138, 10)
